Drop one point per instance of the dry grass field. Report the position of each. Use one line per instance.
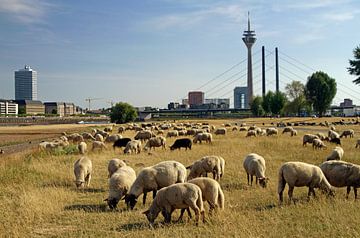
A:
(38, 197)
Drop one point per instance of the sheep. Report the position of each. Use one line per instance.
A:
(122, 142)
(112, 138)
(172, 134)
(211, 192)
(308, 138)
(154, 178)
(293, 132)
(49, 146)
(271, 131)
(82, 147)
(287, 129)
(176, 196)
(357, 143)
(182, 143)
(144, 135)
(207, 137)
(99, 137)
(220, 131)
(332, 128)
(321, 136)
(347, 133)
(82, 171)
(235, 128)
(158, 141)
(207, 164)
(336, 154)
(336, 141)
(299, 174)
(318, 144)
(243, 128)
(342, 174)
(88, 136)
(333, 134)
(133, 146)
(119, 184)
(2, 151)
(254, 164)
(103, 133)
(98, 145)
(114, 165)
(222, 166)
(251, 133)
(121, 129)
(75, 138)
(108, 129)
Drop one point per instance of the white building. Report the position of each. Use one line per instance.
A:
(26, 84)
(8, 108)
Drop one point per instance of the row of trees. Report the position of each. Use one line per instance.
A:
(316, 95)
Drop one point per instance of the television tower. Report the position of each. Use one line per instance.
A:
(249, 39)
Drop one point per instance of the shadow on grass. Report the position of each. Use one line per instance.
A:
(93, 208)
(88, 190)
(265, 207)
(234, 186)
(58, 184)
(135, 226)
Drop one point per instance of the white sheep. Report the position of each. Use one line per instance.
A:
(133, 146)
(204, 136)
(207, 164)
(318, 144)
(176, 196)
(154, 178)
(220, 131)
(254, 165)
(75, 138)
(333, 134)
(112, 138)
(347, 133)
(172, 134)
(82, 147)
(308, 138)
(114, 165)
(271, 131)
(144, 135)
(98, 145)
(332, 128)
(336, 154)
(119, 184)
(321, 136)
(88, 136)
(342, 174)
(158, 141)
(287, 129)
(357, 143)
(82, 171)
(293, 132)
(251, 133)
(99, 137)
(299, 174)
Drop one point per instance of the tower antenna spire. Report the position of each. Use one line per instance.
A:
(248, 20)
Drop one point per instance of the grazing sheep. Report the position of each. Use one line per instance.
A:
(51, 146)
(347, 133)
(133, 146)
(308, 138)
(254, 165)
(112, 138)
(176, 196)
(287, 129)
(172, 134)
(103, 133)
(2, 151)
(207, 137)
(336, 141)
(98, 145)
(88, 136)
(75, 138)
(357, 143)
(154, 178)
(293, 132)
(114, 165)
(82, 147)
(119, 184)
(243, 128)
(299, 174)
(121, 129)
(158, 141)
(251, 133)
(144, 135)
(336, 154)
(82, 171)
(99, 137)
(234, 128)
(342, 174)
(108, 129)
(332, 128)
(271, 131)
(333, 134)
(321, 136)
(220, 131)
(182, 143)
(207, 164)
(222, 166)
(318, 144)
(122, 142)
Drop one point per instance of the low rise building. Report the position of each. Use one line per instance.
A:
(8, 107)
(31, 107)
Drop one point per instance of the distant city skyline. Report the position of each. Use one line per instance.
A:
(152, 53)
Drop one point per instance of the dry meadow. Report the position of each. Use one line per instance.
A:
(38, 197)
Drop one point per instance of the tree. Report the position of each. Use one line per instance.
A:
(320, 90)
(266, 102)
(122, 113)
(354, 68)
(296, 94)
(256, 107)
(278, 102)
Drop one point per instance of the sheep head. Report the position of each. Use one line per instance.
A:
(130, 201)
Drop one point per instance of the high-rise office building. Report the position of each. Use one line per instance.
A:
(26, 84)
(241, 97)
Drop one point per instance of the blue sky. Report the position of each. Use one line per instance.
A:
(153, 52)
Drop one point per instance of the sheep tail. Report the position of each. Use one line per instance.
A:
(282, 182)
(221, 198)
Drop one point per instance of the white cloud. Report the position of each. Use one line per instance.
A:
(307, 5)
(24, 11)
(340, 16)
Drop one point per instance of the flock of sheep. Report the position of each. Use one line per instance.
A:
(175, 188)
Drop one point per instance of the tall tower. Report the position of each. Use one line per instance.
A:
(26, 84)
(249, 39)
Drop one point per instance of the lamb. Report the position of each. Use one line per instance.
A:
(133, 146)
(182, 143)
(172, 134)
(176, 196)
(333, 134)
(308, 138)
(342, 174)
(207, 164)
(357, 143)
(112, 138)
(271, 131)
(119, 184)
(158, 141)
(299, 174)
(98, 145)
(154, 178)
(144, 135)
(336, 154)
(287, 129)
(220, 131)
(99, 137)
(347, 133)
(254, 164)
(251, 133)
(207, 137)
(114, 165)
(318, 144)
(82, 171)
(82, 147)
(122, 142)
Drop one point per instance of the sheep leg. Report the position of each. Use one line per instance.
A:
(348, 189)
(256, 180)
(251, 179)
(290, 193)
(355, 192)
(154, 193)
(144, 198)
(87, 180)
(248, 178)
(196, 210)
